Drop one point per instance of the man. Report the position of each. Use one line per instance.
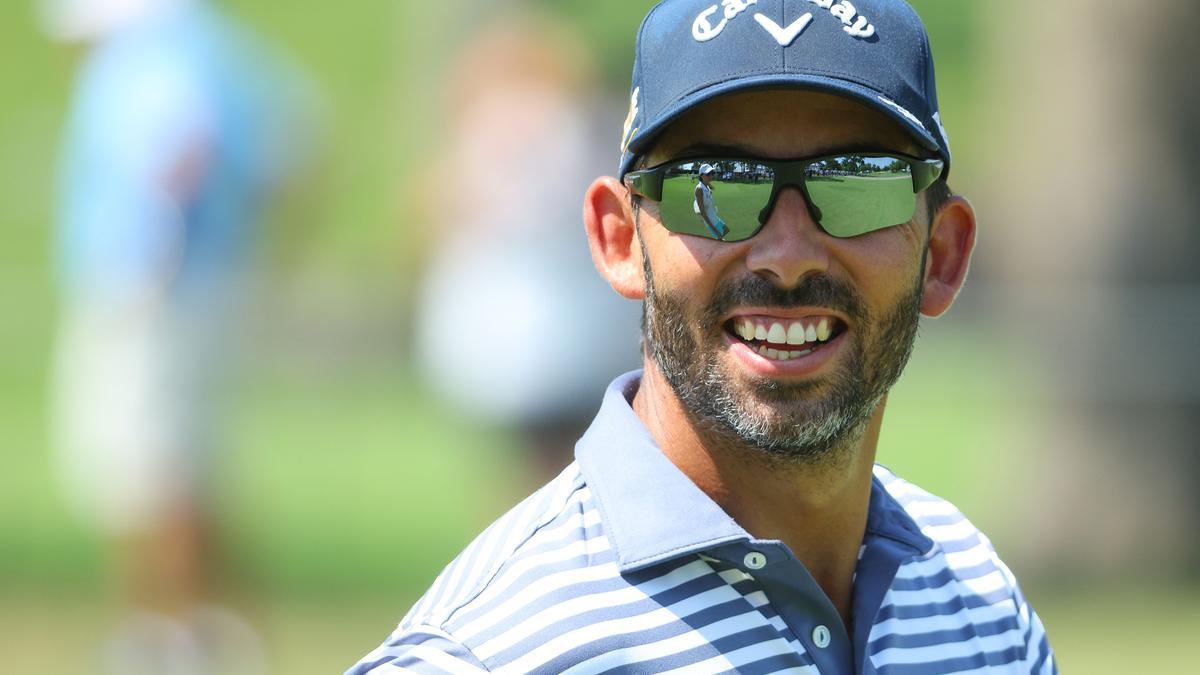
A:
(724, 512)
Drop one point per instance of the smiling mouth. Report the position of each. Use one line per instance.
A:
(784, 339)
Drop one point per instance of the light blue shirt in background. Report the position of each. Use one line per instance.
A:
(186, 98)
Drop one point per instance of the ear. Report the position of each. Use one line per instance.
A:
(951, 240)
(608, 218)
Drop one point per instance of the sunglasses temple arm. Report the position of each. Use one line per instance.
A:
(926, 172)
(646, 184)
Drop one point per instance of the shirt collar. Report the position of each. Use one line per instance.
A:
(887, 518)
(652, 512)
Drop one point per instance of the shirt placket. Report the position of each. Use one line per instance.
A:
(807, 612)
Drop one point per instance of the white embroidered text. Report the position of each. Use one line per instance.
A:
(703, 29)
(855, 23)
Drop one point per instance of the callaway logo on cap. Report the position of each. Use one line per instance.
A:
(873, 51)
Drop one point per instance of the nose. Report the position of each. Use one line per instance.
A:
(790, 245)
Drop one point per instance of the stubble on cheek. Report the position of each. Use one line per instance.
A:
(796, 421)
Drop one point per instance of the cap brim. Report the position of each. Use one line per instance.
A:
(851, 90)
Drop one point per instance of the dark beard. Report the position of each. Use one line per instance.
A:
(795, 422)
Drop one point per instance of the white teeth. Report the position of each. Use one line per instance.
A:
(795, 333)
(782, 354)
(745, 329)
(777, 334)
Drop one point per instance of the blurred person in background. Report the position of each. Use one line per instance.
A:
(512, 325)
(180, 126)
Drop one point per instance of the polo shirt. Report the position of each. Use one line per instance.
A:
(623, 565)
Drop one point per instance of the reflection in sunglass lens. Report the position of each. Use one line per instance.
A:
(724, 205)
(856, 194)
(730, 199)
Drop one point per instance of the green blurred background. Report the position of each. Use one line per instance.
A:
(346, 487)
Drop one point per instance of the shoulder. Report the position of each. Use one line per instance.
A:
(937, 518)
(959, 589)
(960, 550)
(420, 649)
(548, 544)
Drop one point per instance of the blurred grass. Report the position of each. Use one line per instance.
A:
(348, 486)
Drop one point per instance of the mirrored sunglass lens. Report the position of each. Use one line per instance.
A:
(726, 208)
(853, 195)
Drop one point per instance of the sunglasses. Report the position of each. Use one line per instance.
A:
(848, 194)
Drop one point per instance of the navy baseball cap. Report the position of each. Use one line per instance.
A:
(875, 52)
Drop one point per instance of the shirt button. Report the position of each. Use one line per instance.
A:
(821, 637)
(755, 560)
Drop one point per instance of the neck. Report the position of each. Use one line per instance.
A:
(818, 510)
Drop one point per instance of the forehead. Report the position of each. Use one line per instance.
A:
(780, 124)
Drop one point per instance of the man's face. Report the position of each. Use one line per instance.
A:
(710, 304)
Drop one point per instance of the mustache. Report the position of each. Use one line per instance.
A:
(819, 290)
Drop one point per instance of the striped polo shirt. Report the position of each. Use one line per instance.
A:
(622, 565)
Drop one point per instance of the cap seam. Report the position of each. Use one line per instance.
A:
(783, 52)
(638, 66)
(628, 143)
(926, 59)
